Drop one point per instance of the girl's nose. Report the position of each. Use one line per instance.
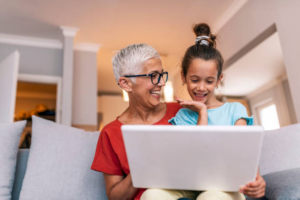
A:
(201, 87)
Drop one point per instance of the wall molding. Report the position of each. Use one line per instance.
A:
(228, 14)
(250, 46)
(35, 95)
(69, 31)
(89, 47)
(30, 41)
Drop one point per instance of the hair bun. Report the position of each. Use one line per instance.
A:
(203, 29)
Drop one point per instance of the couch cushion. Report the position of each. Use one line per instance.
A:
(281, 149)
(283, 184)
(59, 164)
(9, 141)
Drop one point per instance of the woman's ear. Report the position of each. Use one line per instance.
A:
(183, 78)
(125, 84)
(219, 80)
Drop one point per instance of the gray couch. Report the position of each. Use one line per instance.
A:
(281, 150)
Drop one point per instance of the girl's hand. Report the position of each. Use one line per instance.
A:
(256, 188)
(192, 105)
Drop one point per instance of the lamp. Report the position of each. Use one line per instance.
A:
(125, 96)
(168, 92)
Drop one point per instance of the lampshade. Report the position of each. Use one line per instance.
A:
(125, 96)
(168, 92)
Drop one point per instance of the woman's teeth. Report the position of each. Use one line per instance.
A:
(155, 92)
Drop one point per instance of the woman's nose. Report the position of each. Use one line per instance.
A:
(161, 82)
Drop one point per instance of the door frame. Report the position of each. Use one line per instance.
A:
(32, 78)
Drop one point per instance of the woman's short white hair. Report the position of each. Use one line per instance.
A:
(130, 60)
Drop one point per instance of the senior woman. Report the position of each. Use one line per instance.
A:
(138, 70)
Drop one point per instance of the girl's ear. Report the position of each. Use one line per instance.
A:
(219, 80)
(183, 78)
(125, 84)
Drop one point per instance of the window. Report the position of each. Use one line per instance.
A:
(268, 116)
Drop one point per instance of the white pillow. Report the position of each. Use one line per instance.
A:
(59, 163)
(280, 150)
(9, 141)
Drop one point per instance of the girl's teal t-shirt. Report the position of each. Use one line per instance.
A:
(227, 114)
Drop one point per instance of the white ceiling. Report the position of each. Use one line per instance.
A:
(260, 66)
(164, 24)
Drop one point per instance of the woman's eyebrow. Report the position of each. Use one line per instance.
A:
(156, 71)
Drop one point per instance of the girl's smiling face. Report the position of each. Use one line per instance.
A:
(202, 79)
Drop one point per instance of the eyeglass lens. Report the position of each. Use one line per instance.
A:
(156, 78)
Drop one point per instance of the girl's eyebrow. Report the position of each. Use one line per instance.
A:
(195, 76)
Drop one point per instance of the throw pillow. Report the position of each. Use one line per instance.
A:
(283, 184)
(9, 141)
(280, 150)
(59, 164)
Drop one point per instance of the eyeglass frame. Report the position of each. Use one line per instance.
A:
(150, 75)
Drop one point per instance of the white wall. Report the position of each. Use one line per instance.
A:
(254, 18)
(179, 89)
(36, 60)
(84, 88)
(111, 107)
(290, 104)
(281, 100)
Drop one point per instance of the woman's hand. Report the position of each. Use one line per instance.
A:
(192, 105)
(256, 188)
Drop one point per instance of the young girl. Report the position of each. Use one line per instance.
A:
(202, 73)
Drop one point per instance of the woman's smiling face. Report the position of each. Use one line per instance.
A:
(143, 91)
(201, 79)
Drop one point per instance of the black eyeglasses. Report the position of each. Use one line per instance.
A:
(155, 77)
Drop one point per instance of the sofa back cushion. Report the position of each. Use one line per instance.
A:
(281, 149)
(9, 141)
(59, 164)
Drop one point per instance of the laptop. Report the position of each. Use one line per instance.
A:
(221, 158)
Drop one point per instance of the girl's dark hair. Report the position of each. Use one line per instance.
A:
(203, 51)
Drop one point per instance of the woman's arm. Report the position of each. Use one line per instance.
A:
(119, 187)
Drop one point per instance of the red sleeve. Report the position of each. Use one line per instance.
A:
(106, 159)
(173, 107)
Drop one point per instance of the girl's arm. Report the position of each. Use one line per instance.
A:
(119, 187)
(241, 122)
(202, 117)
(256, 188)
(196, 106)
